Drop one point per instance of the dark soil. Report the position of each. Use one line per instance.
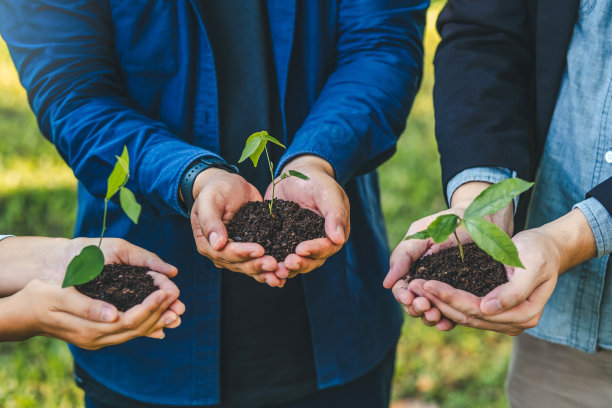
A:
(480, 275)
(278, 234)
(124, 286)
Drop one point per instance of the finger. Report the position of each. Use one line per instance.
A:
(208, 218)
(166, 285)
(233, 252)
(158, 334)
(509, 295)
(282, 272)
(73, 302)
(462, 301)
(177, 307)
(421, 305)
(402, 294)
(133, 255)
(335, 209)
(474, 322)
(402, 257)
(298, 264)
(445, 325)
(253, 267)
(320, 248)
(432, 315)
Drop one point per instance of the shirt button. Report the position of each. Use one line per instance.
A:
(609, 156)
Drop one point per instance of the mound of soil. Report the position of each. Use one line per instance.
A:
(480, 274)
(124, 286)
(279, 233)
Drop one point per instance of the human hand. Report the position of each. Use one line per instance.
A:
(323, 195)
(219, 195)
(43, 307)
(517, 305)
(408, 251)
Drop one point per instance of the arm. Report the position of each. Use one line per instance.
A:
(31, 272)
(354, 124)
(482, 95)
(362, 109)
(64, 53)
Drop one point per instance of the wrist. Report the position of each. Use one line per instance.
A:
(573, 238)
(466, 193)
(205, 177)
(188, 191)
(310, 161)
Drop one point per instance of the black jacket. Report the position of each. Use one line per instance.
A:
(499, 68)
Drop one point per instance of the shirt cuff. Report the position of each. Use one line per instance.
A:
(5, 236)
(601, 223)
(487, 174)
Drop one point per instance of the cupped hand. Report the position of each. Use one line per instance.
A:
(405, 254)
(219, 195)
(412, 296)
(68, 315)
(323, 195)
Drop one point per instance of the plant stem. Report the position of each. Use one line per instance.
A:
(460, 247)
(103, 222)
(272, 175)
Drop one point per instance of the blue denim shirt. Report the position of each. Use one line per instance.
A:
(576, 158)
(104, 74)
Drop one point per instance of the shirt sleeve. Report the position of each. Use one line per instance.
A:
(5, 236)
(362, 109)
(64, 54)
(601, 223)
(487, 174)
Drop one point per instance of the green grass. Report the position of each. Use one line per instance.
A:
(463, 368)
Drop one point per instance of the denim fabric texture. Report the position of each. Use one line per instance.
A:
(576, 158)
(104, 74)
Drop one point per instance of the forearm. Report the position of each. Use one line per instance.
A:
(16, 319)
(573, 237)
(25, 258)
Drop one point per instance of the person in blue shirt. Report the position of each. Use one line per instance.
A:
(525, 88)
(33, 303)
(183, 84)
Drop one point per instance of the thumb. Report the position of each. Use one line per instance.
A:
(510, 294)
(207, 217)
(77, 304)
(335, 210)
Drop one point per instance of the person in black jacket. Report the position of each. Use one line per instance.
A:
(525, 88)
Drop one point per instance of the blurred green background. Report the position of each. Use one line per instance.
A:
(463, 368)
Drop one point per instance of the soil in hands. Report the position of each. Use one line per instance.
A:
(278, 234)
(480, 274)
(124, 286)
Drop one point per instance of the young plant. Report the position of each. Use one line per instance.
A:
(87, 265)
(255, 145)
(488, 236)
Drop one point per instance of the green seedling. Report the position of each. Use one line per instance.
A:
(255, 145)
(488, 236)
(87, 265)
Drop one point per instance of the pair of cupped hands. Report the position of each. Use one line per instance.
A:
(220, 194)
(511, 308)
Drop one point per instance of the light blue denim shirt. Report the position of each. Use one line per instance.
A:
(576, 158)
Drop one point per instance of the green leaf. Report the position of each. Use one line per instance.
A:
(124, 160)
(299, 175)
(253, 148)
(496, 197)
(419, 235)
(272, 139)
(129, 204)
(442, 227)
(84, 267)
(284, 176)
(119, 175)
(493, 240)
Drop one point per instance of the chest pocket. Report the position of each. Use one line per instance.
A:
(146, 35)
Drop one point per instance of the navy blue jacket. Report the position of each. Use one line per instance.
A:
(103, 74)
(499, 68)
